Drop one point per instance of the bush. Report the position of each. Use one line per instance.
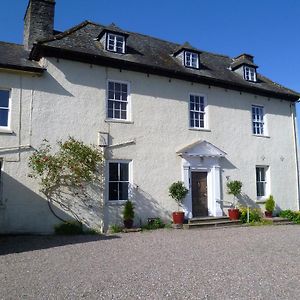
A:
(255, 215)
(293, 216)
(234, 187)
(128, 211)
(69, 228)
(115, 228)
(270, 204)
(156, 223)
(178, 191)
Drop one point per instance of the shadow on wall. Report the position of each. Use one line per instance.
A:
(24, 211)
(148, 207)
(18, 244)
(145, 206)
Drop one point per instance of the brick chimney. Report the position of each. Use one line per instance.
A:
(38, 21)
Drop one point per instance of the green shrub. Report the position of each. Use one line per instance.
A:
(157, 223)
(69, 228)
(128, 211)
(293, 216)
(270, 204)
(255, 215)
(178, 191)
(115, 228)
(234, 187)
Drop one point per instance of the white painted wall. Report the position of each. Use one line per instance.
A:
(69, 99)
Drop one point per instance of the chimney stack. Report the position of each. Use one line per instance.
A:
(38, 21)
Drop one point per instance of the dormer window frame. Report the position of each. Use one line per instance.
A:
(249, 73)
(190, 60)
(113, 47)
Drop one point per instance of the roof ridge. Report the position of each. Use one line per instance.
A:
(11, 43)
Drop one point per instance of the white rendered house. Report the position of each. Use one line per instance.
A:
(161, 112)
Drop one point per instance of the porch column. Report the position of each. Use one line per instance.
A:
(187, 204)
(216, 175)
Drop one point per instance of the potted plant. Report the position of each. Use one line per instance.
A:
(269, 206)
(234, 188)
(178, 191)
(128, 214)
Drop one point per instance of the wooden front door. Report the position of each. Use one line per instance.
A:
(199, 194)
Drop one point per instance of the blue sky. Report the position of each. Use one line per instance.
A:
(267, 29)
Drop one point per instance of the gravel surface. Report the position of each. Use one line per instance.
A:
(229, 263)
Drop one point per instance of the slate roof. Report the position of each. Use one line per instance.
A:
(154, 56)
(14, 57)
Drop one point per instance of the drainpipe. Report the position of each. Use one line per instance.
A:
(295, 133)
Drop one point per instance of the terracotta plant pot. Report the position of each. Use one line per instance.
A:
(178, 217)
(128, 224)
(233, 214)
(268, 214)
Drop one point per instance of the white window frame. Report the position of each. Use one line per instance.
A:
(7, 128)
(249, 73)
(261, 123)
(130, 180)
(204, 112)
(113, 37)
(193, 55)
(128, 107)
(266, 182)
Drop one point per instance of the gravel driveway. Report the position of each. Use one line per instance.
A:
(229, 263)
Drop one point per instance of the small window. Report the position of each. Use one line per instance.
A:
(191, 59)
(115, 43)
(197, 111)
(258, 120)
(117, 102)
(261, 181)
(118, 181)
(4, 109)
(249, 73)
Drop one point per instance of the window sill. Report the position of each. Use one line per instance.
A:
(116, 202)
(118, 121)
(261, 200)
(6, 130)
(199, 129)
(262, 136)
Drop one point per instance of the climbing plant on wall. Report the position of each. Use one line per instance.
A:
(68, 172)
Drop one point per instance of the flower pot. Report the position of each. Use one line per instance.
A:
(128, 224)
(233, 214)
(268, 214)
(178, 217)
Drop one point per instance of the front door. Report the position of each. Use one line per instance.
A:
(199, 194)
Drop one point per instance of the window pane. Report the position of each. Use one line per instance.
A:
(123, 190)
(111, 86)
(124, 88)
(117, 114)
(110, 113)
(117, 87)
(113, 191)
(4, 98)
(123, 172)
(113, 172)
(3, 117)
(123, 115)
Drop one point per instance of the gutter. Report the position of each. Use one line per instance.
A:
(295, 132)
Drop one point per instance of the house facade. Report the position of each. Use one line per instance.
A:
(159, 111)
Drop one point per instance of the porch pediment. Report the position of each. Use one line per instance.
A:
(201, 148)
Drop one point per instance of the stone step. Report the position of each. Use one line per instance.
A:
(207, 219)
(218, 223)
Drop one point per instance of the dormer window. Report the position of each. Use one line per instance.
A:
(115, 43)
(191, 59)
(249, 73)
